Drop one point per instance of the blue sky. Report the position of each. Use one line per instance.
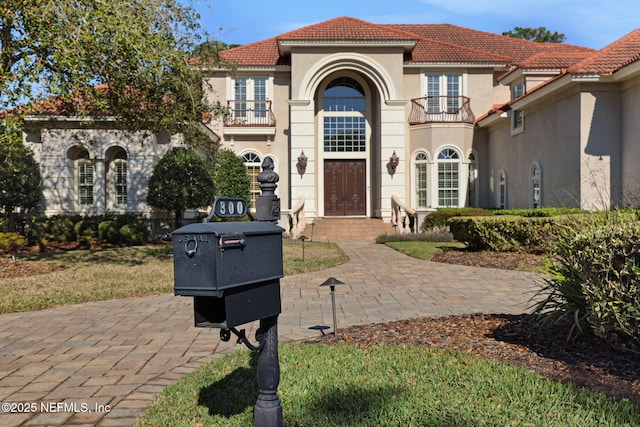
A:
(587, 23)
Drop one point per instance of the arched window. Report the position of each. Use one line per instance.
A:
(344, 122)
(253, 163)
(84, 175)
(473, 176)
(536, 185)
(448, 178)
(421, 180)
(116, 159)
(502, 190)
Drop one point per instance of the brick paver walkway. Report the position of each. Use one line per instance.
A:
(102, 363)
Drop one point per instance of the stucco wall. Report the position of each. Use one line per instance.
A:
(551, 139)
(51, 147)
(630, 175)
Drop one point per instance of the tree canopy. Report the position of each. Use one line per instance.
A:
(540, 34)
(230, 175)
(125, 58)
(19, 174)
(180, 181)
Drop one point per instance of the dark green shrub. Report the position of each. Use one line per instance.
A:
(11, 242)
(61, 228)
(108, 232)
(512, 233)
(440, 217)
(595, 279)
(135, 233)
(540, 212)
(436, 235)
(36, 230)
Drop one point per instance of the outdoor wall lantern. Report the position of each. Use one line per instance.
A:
(302, 163)
(394, 160)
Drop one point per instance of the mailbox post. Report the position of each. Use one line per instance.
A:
(232, 270)
(268, 410)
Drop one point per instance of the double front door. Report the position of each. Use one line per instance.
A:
(345, 187)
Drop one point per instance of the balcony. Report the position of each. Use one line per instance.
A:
(441, 109)
(249, 113)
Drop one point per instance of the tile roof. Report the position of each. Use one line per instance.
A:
(517, 49)
(611, 58)
(435, 43)
(553, 60)
(346, 28)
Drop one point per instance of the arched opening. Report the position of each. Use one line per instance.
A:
(345, 134)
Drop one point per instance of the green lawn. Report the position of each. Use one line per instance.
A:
(421, 249)
(94, 275)
(344, 385)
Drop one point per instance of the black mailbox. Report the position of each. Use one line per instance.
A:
(232, 269)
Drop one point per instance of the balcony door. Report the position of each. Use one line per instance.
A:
(345, 187)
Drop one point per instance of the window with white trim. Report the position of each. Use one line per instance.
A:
(502, 190)
(85, 182)
(471, 185)
(421, 180)
(536, 185)
(344, 121)
(448, 178)
(443, 92)
(252, 162)
(517, 116)
(250, 96)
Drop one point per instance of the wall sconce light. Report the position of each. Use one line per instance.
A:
(302, 163)
(394, 160)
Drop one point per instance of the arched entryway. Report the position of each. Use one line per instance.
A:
(345, 145)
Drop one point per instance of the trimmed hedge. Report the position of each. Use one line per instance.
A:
(130, 229)
(440, 217)
(512, 233)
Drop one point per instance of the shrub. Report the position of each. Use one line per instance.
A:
(512, 233)
(11, 242)
(435, 235)
(61, 228)
(439, 217)
(108, 232)
(134, 234)
(540, 212)
(596, 281)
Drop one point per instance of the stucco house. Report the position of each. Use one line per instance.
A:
(361, 119)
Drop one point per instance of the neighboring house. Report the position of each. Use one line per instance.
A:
(355, 114)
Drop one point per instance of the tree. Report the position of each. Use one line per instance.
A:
(230, 175)
(19, 174)
(540, 34)
(118, 57)
(180, 181)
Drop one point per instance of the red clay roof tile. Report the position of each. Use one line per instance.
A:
(611, 58)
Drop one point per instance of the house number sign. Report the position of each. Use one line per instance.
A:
(228, 207)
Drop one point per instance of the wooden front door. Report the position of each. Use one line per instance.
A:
(345, 187)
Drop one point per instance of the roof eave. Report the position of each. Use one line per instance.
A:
(285, 46)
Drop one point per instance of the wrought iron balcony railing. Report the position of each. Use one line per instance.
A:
(249, 113)
(441, 109)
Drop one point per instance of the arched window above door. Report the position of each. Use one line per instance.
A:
(344, 122)
(344, 94)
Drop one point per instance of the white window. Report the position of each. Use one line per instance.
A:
(85, 182)
(443, 93)
(250, 98)
(421, 180)
(536, 185)
(502, 190)
(448, 178)
(344, 122)
(252, 162)
(517, 116)
(117, 171)
(473, 177)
